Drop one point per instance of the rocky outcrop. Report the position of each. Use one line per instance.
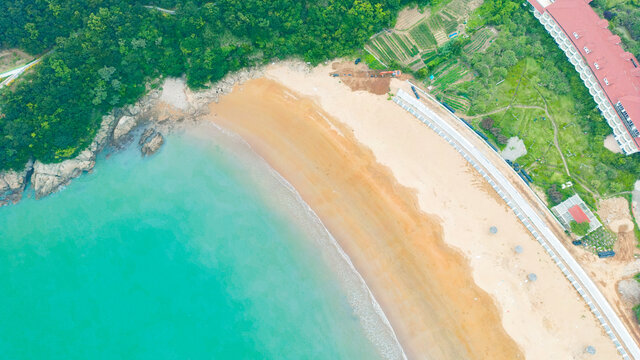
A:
(12, 184)
(123, 128)
(48, 178)
(150, 141)
(116, 130)
(104, 134)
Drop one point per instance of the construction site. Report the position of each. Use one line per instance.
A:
(357, 76)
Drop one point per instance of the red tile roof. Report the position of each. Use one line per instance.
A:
(578, 215)
(614, 64)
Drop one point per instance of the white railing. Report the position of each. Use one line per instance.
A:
(529, 217)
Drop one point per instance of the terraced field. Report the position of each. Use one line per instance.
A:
(416, 45)
(447, 74)
(480, 40)
(423, 36)
(456, 101)
(393, 47)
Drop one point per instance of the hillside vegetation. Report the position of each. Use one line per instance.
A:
(105, 51)
(509, 78)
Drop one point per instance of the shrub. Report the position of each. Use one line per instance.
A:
(502, 140)
(579, 229)
(554, 194)
(486, 123)
(636, 311)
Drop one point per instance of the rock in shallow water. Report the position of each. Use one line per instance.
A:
(152, 143)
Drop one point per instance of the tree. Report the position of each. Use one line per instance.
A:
(486, 123)
(107, 51)
(509, 58)
(580, 229)
(554, 194)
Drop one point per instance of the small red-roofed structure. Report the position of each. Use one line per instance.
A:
(578, 215)
(575, 209)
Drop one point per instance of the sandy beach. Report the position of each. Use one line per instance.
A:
(414, 218)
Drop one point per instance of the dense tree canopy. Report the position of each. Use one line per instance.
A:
(105, 51)
(624, 19)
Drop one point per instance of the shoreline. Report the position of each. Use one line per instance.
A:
(397, 248)
(386, 343)
(529, 313)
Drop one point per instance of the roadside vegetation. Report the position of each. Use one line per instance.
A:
(579, 229)
(636, 308)
(105, 52)
(506, 71)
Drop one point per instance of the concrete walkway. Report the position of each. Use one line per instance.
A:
(13, 74)
(583, 284)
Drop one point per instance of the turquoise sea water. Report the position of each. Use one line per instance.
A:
(199, 252)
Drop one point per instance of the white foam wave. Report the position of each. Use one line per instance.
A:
(372, 318)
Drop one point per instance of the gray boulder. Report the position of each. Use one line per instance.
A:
(124, 126)
(133, 109)
(150, 142)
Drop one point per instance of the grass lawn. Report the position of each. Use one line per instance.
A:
(583, 155)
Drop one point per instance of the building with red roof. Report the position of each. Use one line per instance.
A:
(575, 209)
(578, 215)
(611, 74)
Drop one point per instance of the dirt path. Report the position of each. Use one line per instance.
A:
(556, 142)
(579, 180)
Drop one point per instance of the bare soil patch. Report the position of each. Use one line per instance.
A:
(360, 77)
(13, 58)
(409, 17)
(615, 215)
(612, 145)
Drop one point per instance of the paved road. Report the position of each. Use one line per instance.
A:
(166, 11)
(580, 280)
(13, 74)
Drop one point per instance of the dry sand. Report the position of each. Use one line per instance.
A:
(372, 173)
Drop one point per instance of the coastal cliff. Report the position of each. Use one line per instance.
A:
(49, 178)
(117, 130)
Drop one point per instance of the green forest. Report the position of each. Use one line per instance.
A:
(100, 54)
(624, 20)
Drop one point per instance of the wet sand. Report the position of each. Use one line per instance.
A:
(414, 218)
(418, 280)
